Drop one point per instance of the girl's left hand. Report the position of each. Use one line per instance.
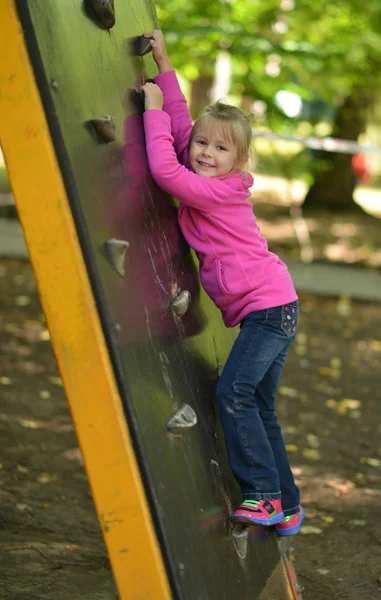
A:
(153, 96)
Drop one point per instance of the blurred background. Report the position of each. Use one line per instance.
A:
(303, 69)
(306, 71)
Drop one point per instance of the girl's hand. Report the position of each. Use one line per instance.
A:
(153, 96)
(159, 50)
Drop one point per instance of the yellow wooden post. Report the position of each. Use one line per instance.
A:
(74, 324)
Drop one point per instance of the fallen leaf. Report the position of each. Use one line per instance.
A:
(22, 469)
(373, 462)
(344, 306)
(5, 381)
(46, 478)
(73, 454)
(323, 571)
(358, 522)
(375, 345)
(329, 372)
(44, 335)
(311, 454)
(311, 530)
(291, 448)
(335, 362)
(23, 507)
(55, 381)
(350, 403)
(301, 338)
(22, 300)
(313, 440)
(288, 392)
(29, 424)
(327, 519)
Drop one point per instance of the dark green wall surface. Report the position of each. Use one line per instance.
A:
(161, 361)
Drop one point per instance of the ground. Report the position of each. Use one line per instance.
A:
(329, 405)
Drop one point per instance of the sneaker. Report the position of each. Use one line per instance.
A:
(259, 512)
(291, 525)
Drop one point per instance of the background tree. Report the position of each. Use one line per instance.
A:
(326, 51)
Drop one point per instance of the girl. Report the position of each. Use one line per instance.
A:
(202, 166)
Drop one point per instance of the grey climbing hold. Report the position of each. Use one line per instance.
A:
(183, 419)
(179, 303)
(140, 46)
(105, 128)
(240, 536)
(115, 252)
(104, 11)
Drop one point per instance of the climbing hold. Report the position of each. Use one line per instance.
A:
(105, 128)
(104, 11)
(115, 252)
(140, 46)
(240, 536)
(179, 303)
(184, 418)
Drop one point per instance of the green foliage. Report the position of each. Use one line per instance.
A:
(322, 49)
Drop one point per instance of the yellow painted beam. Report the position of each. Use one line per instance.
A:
(74, 324)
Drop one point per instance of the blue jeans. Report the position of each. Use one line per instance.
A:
(246, 401)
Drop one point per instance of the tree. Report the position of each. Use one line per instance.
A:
(328, 51)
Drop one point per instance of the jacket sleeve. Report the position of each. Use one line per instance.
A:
(205, 194)
(175, 105)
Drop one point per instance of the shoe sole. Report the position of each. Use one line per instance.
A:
(254, 521)
(292, 530)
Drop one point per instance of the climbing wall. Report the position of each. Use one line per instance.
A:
(161, 337)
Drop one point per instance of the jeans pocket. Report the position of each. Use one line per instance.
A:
(290, 318)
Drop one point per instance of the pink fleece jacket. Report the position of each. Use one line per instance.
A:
(237, 270)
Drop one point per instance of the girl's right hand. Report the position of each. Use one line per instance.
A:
(159, 50)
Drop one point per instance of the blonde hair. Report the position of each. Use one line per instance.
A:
(234, 125)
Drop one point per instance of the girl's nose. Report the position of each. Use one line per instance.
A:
(207, 151)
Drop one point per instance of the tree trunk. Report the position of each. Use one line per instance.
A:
(333, 185)
(200, 94)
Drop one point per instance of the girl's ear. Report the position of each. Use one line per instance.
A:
(243, 161)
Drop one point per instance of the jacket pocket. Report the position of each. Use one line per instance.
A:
(220, 277)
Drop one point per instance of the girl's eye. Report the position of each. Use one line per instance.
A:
(201, 142)
(221, 148)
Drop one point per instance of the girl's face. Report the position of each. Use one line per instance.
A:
(210, 155)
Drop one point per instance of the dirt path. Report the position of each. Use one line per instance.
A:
(329, 404)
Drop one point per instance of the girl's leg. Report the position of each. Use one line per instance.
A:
(265, 400)
(251, 456)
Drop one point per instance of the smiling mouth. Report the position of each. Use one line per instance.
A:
(204, 164)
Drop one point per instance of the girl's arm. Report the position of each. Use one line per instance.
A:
(199, 192)
(175, 104)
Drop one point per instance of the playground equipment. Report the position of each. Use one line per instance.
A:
(138, 344)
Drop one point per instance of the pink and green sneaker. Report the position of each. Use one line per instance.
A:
(259, 512)
(291, 524)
